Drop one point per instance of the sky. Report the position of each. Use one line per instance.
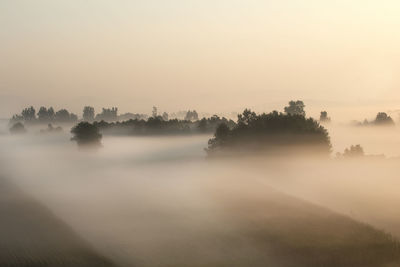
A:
(210, 55)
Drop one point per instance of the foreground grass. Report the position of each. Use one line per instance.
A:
(31, 236)
(285, 231)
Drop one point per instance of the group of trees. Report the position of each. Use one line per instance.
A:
(381, 119)
(355, 151)
(158, 125)
(271, 132)
(107, 114)
(49, 115)
(252, 132)
(88, 134)
(191, 115)
(295, 108)
(154, 114)
(44, 115)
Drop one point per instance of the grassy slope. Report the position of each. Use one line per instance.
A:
(32, 236)
(260, 227)
(285, 231)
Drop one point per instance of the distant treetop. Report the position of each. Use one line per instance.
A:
(324, 117)
(295, 108)
(44, 116)
(381, 119)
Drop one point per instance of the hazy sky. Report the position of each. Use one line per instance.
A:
(211, 55)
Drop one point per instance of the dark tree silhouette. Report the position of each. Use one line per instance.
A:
(295, 108)
(29, 114)
(220, 138)
(43, 115)
(324, 117)
(18, 128)
(63, 116)
(51, 114)
(270, 132)
(86, 134)
(159, 126)
(383, 119)
(88, 114)
(202, 125)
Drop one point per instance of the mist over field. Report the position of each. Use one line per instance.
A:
(159, 201)
(213, 133)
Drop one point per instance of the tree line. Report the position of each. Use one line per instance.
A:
(46, 115)
(159, 126)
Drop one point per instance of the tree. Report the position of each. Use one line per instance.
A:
(88, 114)
(383, 119)
(86, 134)
(246, 117)
(220, 138)
(43, 115)
(18, 128)
(50, 113)
(62, 116)
(295, 108)
(29, 114)
(324, 117)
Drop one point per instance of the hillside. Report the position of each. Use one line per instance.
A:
(32, 236)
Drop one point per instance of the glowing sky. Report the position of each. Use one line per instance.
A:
(211, 55)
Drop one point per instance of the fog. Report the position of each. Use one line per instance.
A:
(159, 201)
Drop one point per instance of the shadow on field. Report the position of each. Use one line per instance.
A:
(32, 236)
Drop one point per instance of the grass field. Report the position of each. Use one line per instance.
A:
(31, 236)
(286, 231)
